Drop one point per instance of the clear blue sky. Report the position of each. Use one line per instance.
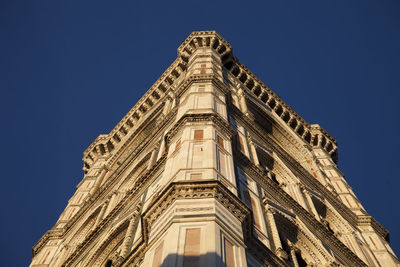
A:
(70, 70)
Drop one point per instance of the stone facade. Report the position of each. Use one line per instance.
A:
(212, 168)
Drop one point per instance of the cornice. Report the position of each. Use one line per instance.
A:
(190, 118)
(156, 92)
(310, 181)
(203, 39)
(152, 97)
(199, 190)
(152, 100)
(193, 190)
(132, 138)
(287, 230)
(263, 254)
(114, 233)
(248, 80)
(256, 88)
(131, 196)
(50, 234)
(105, 187)
(367, 220)
(61, 232)
(260, 176)
(207, 78)
(304, 147)
(299, 171)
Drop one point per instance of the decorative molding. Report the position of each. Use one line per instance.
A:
(155, 114)
(260, 176)
(190, 118)
(193, 190)
(299, 171)
(200, 190)
(162, 124)
(367, 220)
(306, 177)
(142, 182)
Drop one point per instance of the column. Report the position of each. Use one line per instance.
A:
(162, 149)
(126, 245)
(293, 255)
(101, 214)
(253, 152)
(275, 234)
(242, 101)
(111, 203)
(153, 158)
(99, 180)
(167, 106)
(310, 203)
(302, 201)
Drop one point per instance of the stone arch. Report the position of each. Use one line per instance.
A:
(292, 235)
(136, 171)
(337, 223)
(86, 227)
(109, 246)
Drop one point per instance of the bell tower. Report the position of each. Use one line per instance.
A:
(212, 168)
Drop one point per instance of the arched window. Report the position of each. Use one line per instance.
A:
(300, 260)
(108, 263)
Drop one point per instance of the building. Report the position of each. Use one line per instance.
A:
(212, 168)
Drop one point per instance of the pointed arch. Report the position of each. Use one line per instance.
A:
(86, 227)
(109, 246)
(292, 235)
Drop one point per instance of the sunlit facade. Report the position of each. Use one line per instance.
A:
(212, 168)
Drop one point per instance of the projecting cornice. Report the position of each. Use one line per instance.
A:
(204, 39)
(105, 145)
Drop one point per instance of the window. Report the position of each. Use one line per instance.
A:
(201, 89)
(319, 206)
(265, 159)
(241, 144)
(229, 256)
(198, 134)
(203, 71)
(157, 258)
(191, 254)
(251, 201)
(218, 159)
(300, 260)
(220, 141)
(232, 122)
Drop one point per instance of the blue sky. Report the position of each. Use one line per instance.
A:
(70, 70)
